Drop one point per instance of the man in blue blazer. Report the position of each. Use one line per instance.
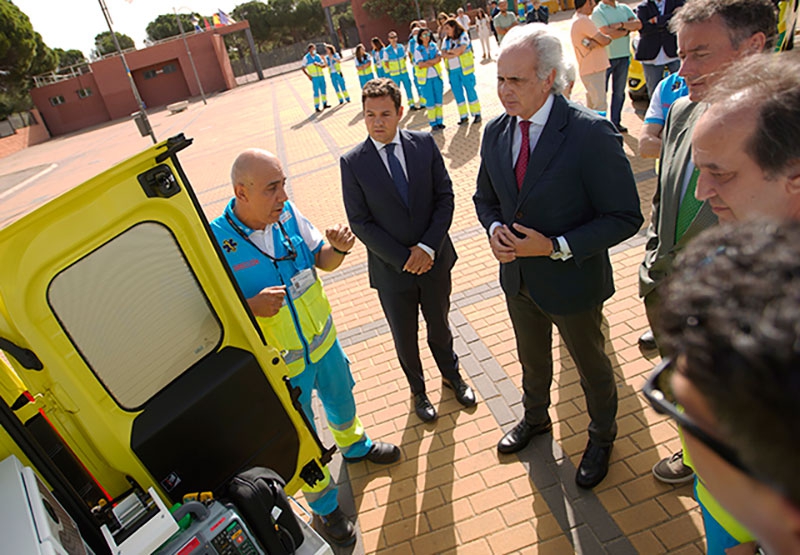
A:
(658, 45)
(555, 191)
(399, 201)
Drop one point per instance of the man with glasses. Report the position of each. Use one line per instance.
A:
(274, 252)
(730, 319)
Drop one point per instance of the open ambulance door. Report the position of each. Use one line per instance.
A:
(152, 367)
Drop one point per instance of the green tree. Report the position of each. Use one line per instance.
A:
(166, 25)
(402, 11)
(104, 43)
(45, 58)
(17, 43)
(261, 18)
(70, 57)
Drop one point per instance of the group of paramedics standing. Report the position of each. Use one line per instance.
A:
(454, 49)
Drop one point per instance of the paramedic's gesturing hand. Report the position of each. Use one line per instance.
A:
(268, 301)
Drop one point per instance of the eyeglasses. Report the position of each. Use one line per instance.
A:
(392, 36)
(658, 392)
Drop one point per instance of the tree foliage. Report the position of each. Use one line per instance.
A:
(402, 11)
(68, 58)
(45, 58)
(282, 22)
(104, 43)
(23, 54)
(166, 25)
(17, 42)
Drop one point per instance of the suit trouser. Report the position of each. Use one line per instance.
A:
(402, 312)
(652, 308)
(583, 337)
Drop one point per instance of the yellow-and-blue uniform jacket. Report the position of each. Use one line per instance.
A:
(303, 328)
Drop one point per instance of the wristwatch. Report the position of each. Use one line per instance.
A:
(556, 248)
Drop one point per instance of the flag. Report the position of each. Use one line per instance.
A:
(196, 22)
(225, 19)
(208, 26)
(216, 21)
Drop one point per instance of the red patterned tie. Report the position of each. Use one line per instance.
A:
(524, 153)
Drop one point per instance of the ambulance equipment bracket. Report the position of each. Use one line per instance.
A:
(25, 357)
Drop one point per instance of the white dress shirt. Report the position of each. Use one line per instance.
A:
(538, 121)
(398, 151)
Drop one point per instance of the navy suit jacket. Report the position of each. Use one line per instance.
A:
(383, 222)
(579, 184)
(654, 36)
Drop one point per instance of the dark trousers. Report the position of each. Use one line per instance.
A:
(653, 74)
(652, 308)
(618, 73)
(402, 312)
(583, 337)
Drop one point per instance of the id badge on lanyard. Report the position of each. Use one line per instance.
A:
(301, 282)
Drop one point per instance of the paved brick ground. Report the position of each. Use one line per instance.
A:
(452, 492)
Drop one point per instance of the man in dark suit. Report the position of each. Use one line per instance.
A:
(399, 200)
(658, 46)
(555, 191)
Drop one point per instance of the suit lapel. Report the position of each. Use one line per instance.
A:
(675, 180)
(546, 148)
(505, 141)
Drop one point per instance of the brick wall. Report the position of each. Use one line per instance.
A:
(24, 137)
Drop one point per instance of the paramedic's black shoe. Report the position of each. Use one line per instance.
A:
(464, 393)
(423, 408)
(521, 435)
(380, 453)
(594, 465)
(336, 527)
(647, 341)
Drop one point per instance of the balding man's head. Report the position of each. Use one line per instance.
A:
(747, 145)
(258, 185)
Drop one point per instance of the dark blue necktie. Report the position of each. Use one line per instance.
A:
(396, 170)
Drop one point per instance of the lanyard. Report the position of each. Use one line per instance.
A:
(292, 253)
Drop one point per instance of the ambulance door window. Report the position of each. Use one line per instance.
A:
(135, 312)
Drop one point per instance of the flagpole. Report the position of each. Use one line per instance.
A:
(189, 52)
(138, 98)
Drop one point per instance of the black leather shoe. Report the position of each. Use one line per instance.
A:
(464, 394)
(522, 434)
(594, 465)
(380, 453)
(647, 341)
(336, 527)
(423, 408)
(621, 128)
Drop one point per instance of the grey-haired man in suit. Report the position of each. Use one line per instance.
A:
(555, 191)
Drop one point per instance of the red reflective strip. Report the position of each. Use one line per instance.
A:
(220, 521)
(193, 544)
